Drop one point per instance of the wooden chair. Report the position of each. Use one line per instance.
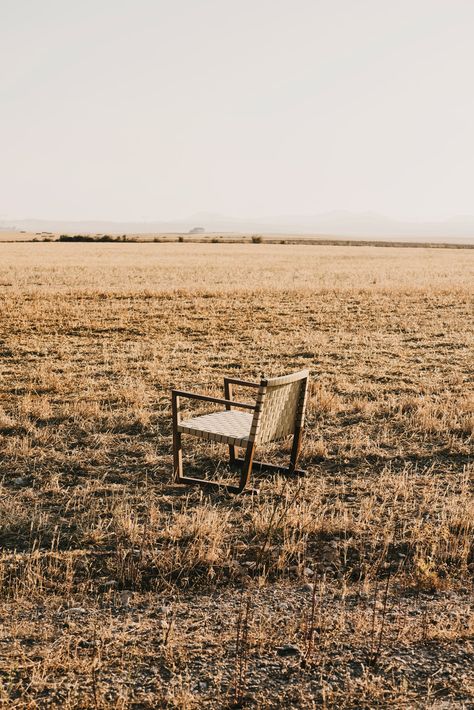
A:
(278, 412)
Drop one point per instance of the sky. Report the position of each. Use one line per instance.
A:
(161, 109)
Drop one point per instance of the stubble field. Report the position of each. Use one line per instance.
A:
(348, 588)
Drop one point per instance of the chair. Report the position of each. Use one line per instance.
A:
(278, 412)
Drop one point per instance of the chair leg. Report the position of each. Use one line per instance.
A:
(232, 455)
(295, 450)
(177, 457)
(177, 448)
(228, 391)
(246, 467)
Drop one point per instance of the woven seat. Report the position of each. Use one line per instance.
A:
(278, 412)
(225, 427)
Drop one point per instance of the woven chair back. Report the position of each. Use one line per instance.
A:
(280, 407)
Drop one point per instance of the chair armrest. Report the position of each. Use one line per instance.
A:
(215, 400)
(242, 383)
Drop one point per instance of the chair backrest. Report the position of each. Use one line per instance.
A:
(280, 407)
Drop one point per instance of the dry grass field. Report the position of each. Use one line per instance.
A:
(349, 588)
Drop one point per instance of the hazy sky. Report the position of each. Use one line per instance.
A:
(155, 109)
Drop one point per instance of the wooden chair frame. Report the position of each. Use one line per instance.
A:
(247, 463)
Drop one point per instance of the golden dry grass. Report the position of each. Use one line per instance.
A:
(120, 589)
(228, 267)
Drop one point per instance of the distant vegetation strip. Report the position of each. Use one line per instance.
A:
(251, 239)
(258, 239)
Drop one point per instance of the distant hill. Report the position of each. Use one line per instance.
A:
(341, 224)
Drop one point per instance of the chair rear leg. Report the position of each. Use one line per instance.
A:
(232, 456)
(228, 392)
(295, 450)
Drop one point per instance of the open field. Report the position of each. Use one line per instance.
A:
(349, 588)
(227, 267)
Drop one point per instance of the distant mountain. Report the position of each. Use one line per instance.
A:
(343, 224)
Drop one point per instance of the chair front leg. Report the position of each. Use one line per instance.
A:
(246, 467)
(177, 458)
(177, 447)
